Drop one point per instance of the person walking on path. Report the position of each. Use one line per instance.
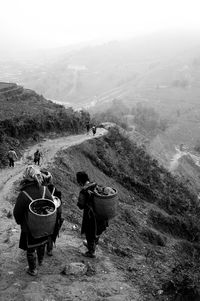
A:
(94, 129)
(37, 156)
(12, 156)
(92, 227)
(31, 189)
(88, 128)
(56, 194)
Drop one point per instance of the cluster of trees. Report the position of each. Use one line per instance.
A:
(148, 120)
(60, 120)
(145, 118)
(115, 113)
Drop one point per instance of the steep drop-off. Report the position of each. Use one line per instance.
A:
(154, 239)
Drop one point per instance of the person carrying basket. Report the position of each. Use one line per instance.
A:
(92, 226)
(31, 189)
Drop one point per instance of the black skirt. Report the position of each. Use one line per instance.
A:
(27, 241)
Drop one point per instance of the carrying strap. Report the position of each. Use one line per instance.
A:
(53, 191)
(30, 198)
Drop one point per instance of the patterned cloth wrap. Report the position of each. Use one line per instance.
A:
(33, 174)
(47, 176)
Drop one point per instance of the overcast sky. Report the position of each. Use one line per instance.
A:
(53, 23)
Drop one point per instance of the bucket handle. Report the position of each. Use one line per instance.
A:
(53, 191)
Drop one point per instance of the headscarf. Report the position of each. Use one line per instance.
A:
(33, 174)
(47, 176)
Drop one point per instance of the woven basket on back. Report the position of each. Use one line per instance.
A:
(41, 225)
(105, 206)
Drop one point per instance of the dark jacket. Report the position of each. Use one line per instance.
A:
(37, 155)
(22, 206)
(91, 224)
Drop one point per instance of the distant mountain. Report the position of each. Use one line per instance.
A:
(118, 69)
(160, 71)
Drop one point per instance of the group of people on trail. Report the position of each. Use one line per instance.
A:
(37, 184)
(12, 157)
(93, 128)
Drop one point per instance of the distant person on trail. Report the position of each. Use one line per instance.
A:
(56, 194)
(94, 129)
(37, 156)
(92, 227)
(12, 156)
(31, 189)
(88, 127)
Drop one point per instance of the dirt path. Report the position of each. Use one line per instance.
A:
(91, 279)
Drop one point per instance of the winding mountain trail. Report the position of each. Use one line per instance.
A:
(49, 148)
(83, 279)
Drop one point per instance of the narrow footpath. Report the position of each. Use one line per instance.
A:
(65, 275)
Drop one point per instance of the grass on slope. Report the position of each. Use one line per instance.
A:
(30, 116)
(154, 239)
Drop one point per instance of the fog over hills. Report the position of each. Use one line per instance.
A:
(82, 75)
(161, 71)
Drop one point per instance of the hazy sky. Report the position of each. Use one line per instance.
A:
(54, 23)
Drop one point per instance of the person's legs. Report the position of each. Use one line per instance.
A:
(31, 258)
(91, 246)
(10, 162)
(40, 253)
(49, 246)
(96, 241)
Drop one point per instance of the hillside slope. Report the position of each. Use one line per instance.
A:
(149, 250)
(26, 117)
